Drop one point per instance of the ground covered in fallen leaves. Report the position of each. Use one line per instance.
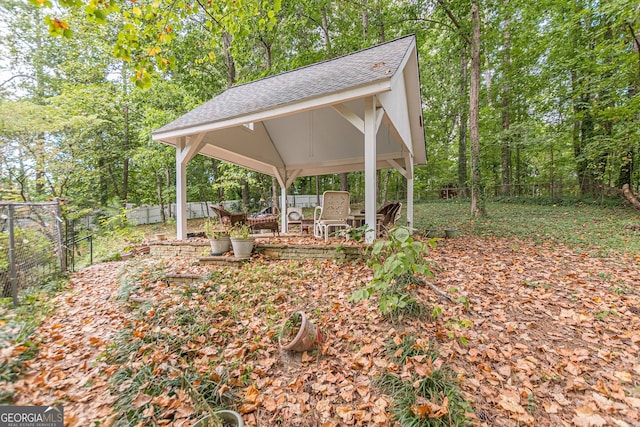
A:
(537, 336)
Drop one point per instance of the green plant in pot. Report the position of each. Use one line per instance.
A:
(241, 240)
(218, 235)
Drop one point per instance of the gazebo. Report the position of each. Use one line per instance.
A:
(361, 111)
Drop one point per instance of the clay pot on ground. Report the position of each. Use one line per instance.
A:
(299, 333)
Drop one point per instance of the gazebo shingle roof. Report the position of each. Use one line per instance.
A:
(349, 71)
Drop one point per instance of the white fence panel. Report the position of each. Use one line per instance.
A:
(152, 215)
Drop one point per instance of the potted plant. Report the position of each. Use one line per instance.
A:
(431, 231)
(241, 240)
(218, 236)
(451, 232)
(299, 333)
(223, 417)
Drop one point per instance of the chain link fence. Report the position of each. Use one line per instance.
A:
(31, 246)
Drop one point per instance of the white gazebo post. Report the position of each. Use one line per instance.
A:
(181, 190)
(283, 210)
(370, 130)
(185, 150)
(410, 193)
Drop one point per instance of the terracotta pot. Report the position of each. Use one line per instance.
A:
(305, 338)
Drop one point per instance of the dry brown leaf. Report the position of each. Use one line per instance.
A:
(550, 407)
(424, 408)
(251, 394)
(625, 377)
(510, 404)
(141, 399)
(586, 417)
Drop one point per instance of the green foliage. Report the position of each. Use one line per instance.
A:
(595, 229)
(396, 262)
(240, 231)
(429, 399)
(407, 347)
(558, 106)
(214, 229)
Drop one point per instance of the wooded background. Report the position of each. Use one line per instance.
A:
(548, 107)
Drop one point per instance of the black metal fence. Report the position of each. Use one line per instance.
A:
(31, 246)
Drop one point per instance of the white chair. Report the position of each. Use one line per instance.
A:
(295, 216)
(334, 212)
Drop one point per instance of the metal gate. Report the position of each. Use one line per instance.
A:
(31, 247)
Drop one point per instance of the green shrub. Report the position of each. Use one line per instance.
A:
(396, 264)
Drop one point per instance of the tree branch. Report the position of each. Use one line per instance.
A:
(456, 23)
(26, 76)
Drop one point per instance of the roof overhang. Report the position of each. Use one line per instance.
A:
(316, 135)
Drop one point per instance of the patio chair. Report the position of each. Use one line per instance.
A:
(229, 218)
(264, 222)
(257, 221)
(295, 216)
(334, 212)
(391, 213)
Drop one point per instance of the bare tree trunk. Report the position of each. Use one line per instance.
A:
(125, 164)
(231, 65)
(344, 181)
(160, 198)
(245, 193)
(318, 190)
(626, 169)
(626, 190)
(325, 31)
(365, 20)
(167, 174)
(477, 193)
(267, 53)
(462, 124)
(382, 37)
(216, 177)
(384, 190)
(39, 149)
(506, 177)
(274, 196)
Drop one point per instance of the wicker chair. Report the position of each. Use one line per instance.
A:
(258, 222)
(229, 218)
(391, 214)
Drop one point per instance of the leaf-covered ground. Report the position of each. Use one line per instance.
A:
(537, 336)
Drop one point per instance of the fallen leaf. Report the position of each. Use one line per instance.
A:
(585, 417)
(424, 408)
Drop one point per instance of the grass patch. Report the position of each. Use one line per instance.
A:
(433, 400)
(430, 397)
(195, 343)
(599, 230)
(17, 325)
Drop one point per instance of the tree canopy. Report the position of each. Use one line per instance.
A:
(84, 82)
